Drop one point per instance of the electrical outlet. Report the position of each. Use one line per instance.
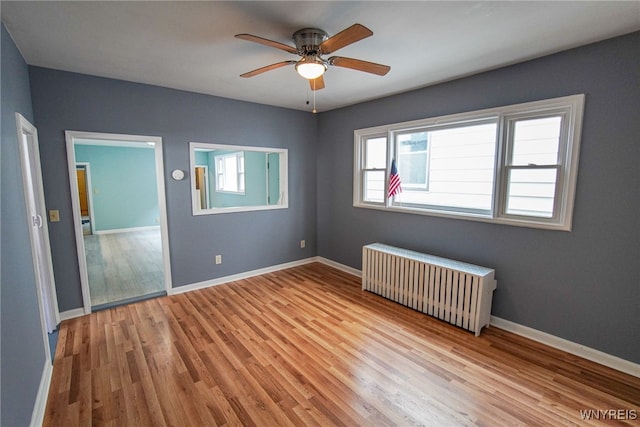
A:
(54, 215)
(302, 244)
(218, 259)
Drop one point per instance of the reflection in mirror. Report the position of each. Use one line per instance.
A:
(230, 178)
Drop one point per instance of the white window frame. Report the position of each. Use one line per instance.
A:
(364, 170)
(569, 107)
(221, 171)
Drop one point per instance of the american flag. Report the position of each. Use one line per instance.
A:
(395, 186)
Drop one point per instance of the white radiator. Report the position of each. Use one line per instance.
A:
(453, 291)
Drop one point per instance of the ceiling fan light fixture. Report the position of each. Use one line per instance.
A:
(311, 67)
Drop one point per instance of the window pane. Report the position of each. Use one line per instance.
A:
(460, 169)
(531, 192)
(374, 182)
(376, 153)
(413, 159)
(231, 173)
(240, 162)
(536, 141)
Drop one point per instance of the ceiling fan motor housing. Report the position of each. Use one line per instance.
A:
(308, 40)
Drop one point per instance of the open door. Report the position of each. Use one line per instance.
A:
(81, 173)
(38, 228)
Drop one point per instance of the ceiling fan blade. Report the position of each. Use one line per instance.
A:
(317, 83)
(357, 64)
(354, 33)
(267, 68)
(267, 42)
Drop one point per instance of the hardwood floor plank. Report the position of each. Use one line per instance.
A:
(306, 346)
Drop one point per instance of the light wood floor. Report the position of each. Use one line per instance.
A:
(124, 265)
(306, 346)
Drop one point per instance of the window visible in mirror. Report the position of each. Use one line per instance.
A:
(230, 172)
(241, 178)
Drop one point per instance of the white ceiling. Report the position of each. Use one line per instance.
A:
(190, 45)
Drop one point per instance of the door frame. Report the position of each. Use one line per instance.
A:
(156, 141)
(87, 170)
(205, 179)
(25, 129)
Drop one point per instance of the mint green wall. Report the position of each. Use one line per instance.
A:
(255, 179)
(255, 188)
(124, 186)
(201, 158)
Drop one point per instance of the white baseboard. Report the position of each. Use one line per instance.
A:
(40, 405)
(568, 346)
(339, 266)
(70, 314)
(239, 276)
(127, 230)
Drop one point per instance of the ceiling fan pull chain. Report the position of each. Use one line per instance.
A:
(314, 97)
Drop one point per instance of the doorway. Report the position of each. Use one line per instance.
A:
(83, 174)
(119, 209)
(202, 186)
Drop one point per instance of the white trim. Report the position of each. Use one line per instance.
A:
(72, 314)
(115, 143)
(580, 350)
(162, 207)
(77, 221)
(40, 404)
(47, 295)
(156, 142)
(284, 178)
(339, 266)
(127, 230)
(240, 276)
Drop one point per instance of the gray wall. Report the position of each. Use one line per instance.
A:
(67, 101)
(583, 286)
(23, 352)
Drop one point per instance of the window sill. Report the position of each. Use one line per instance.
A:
(528, 223)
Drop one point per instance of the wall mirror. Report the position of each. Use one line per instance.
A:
(235, 178)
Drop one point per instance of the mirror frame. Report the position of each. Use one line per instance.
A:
(284, 180)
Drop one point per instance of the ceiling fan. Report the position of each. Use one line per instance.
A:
(311, 44)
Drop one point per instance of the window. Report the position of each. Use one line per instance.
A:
(413, 158)
(230, 172)
(455, 172)
(532, 166)
(513, 165)
(375, 164)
